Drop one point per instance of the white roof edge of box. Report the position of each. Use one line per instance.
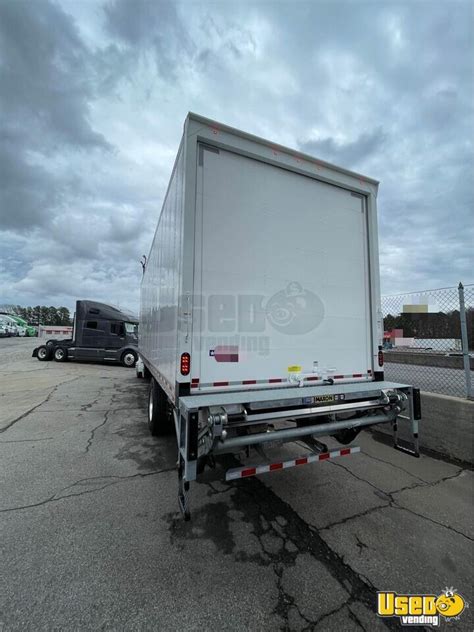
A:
(282, 148)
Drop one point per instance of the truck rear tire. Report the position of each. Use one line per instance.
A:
(60, 354)
(44, 353)
(159, 419)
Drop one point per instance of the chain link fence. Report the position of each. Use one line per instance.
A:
(429, 339)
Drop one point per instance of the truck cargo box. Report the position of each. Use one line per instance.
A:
(263, 268)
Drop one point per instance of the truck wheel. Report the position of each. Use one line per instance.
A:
(159, 419)
(60, 354)
(44, 353)
(129, 359)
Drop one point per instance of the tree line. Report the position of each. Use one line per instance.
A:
(440, 325)
(43, 315)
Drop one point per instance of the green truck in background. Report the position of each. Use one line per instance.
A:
(21, 322)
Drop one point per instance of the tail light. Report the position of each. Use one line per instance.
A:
(380, 357)
(185, 363)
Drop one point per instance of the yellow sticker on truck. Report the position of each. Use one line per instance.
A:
(294, 368)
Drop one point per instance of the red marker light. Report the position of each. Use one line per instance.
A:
(185, 363)
(380, 356)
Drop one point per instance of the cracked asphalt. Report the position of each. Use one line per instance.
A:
(91, 537)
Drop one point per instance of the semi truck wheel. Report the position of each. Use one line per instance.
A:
(44, 353)
(60, 354)
(159, 419)
(129, 358)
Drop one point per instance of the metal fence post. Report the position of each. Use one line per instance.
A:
(464, 341)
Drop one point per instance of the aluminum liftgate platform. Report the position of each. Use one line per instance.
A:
(291, 403)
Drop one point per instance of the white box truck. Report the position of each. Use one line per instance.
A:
(260, 318)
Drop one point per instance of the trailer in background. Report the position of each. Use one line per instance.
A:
(260, 318)
(58, 331)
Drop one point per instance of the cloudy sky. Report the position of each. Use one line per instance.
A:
(93, 95)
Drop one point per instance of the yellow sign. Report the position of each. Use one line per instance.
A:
(415, 309)
(421, 609)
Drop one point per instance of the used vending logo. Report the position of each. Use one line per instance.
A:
(294, 310)
(421, 609)
(237, 323)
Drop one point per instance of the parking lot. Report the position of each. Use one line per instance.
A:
(92, 538)
(429, 378)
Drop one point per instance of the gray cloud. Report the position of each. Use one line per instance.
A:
(46, 80)
(26, 191)
(141, 21)
(93, 98)
(350, 152)
(146, 25)
(45, 87)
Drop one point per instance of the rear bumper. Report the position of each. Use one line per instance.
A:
(294, 395)
(292, 434)
(220, 423)
(228, 422)
(253, 470)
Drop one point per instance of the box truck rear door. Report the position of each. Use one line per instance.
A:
(282, 267)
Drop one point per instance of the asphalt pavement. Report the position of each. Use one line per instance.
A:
(92, 539)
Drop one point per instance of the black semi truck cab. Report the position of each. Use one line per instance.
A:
(101, 333)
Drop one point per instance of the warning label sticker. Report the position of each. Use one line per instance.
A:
(294, 368)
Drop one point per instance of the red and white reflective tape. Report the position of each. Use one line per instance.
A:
(244, 472)
(195, 383)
